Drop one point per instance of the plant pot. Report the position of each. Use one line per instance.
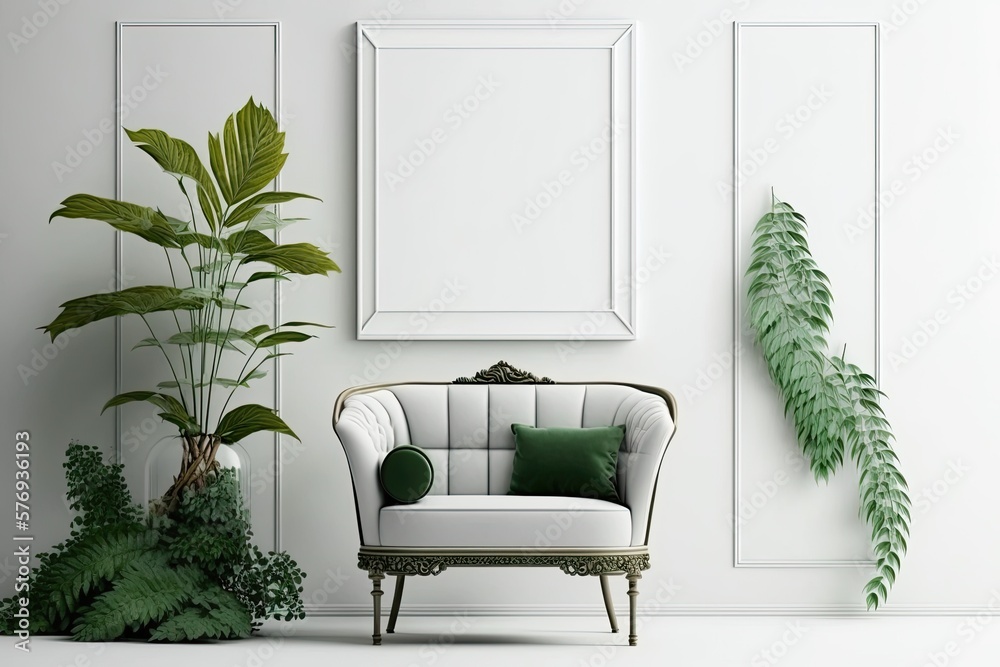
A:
(162, 466)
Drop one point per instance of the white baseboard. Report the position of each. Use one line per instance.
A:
(839, 611)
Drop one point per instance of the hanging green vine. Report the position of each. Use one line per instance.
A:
(834, 404)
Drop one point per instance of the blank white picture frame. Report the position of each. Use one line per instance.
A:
(496, 184)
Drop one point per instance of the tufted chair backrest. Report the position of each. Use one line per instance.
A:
(465, 430)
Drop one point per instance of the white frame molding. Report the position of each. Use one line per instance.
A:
(119, 247)
(614, 320)
(738, 560)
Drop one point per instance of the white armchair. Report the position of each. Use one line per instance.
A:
(468, 519)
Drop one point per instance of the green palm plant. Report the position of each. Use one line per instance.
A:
(834, 404)
(211, 262)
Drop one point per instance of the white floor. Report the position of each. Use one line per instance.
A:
(578, 642)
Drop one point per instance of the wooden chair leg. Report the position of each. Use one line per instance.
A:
(608, 604)
(633, 593)
(397, 596)
(377, 578)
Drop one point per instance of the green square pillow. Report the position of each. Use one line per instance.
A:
(580, 462)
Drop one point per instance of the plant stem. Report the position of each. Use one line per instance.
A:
(221, 281)
(192, 324)
(232, 317)
(200, 402)
(242, 370)
(167, 357)
(187, 348)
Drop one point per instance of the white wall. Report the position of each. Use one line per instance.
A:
(938, 66)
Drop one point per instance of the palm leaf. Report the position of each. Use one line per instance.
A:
(300, 258)
(266, 220)
(246, 420)
(172, 409)
(283, 337)
(249, 209)
(246, 242)
(222, 338)
(142, 221)
(249, 156)
(132, 301)
(178, 158)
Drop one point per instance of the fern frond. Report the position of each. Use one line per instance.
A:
(94, 560)
(790, 314)
(885, 504)
(834, 405)
(214, 613)
(146, 591)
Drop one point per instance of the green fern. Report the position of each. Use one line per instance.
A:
(92, 562)
(195, 623)
(790, 314)
(146, 592)
(884, 502)
(161, 600)
(192, 575)
(832, 403)
(97, 493)
(215, 613)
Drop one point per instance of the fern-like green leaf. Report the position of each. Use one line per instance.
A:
(94, 560)
(147, 591)
(223, 617)
(834, 405)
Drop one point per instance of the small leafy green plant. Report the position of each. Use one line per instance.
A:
(834, 404)
(212, 259)
(190, 576)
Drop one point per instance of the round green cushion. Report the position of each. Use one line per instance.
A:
(406, 474)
